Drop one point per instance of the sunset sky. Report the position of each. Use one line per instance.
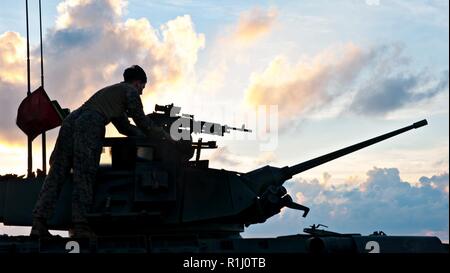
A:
(334, 72)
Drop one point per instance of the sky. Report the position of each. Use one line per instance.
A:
(309, 77)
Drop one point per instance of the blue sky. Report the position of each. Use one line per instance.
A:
(339, 72)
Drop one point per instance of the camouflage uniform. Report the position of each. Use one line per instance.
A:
(79, 146)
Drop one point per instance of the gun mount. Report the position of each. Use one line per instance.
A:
(151, 193)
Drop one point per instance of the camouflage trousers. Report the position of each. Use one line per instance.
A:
(78, 147)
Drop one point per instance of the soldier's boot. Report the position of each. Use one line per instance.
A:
(40, 228)
(81, 230)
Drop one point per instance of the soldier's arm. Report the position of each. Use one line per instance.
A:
(136, 112)
(124, 127)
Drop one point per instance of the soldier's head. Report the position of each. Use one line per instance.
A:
(135, 76)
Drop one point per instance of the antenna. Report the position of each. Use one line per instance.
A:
(30, 148)
(44, 153)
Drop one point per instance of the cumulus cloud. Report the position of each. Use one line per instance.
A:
(383, 202)
(87, 13)
(374, 81)
(12, 58)
(89, 47)
(254, 24)
(436, 182)
(89, 53)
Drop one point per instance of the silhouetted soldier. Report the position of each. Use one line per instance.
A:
(79, 146)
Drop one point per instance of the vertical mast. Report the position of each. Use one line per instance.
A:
(30, 148)
(44, 153)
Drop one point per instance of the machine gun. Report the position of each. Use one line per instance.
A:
(169, 117)
(181, 127)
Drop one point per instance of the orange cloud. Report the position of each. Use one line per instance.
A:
(223, 157)
(12, 58)
(254, 24)
(230, 48)
(12, 83)
(13, 158)
(300, 87)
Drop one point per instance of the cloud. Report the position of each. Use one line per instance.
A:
(436, 182)
(301, 87)
(12, 83)
(223, 157)
(88, 54)
(373, 81)
(384, 95)
(383, 202)
(10, 97)
(265, 158)
(12, 58)
(254, 24)
(428, 13)
(88, 48)
(88, 13)
(231, 48)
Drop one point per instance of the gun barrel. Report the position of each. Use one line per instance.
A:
(291, 171)
(242, 129)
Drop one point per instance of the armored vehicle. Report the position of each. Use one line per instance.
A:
(156, 197)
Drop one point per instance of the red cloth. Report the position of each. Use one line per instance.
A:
(36, 114)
